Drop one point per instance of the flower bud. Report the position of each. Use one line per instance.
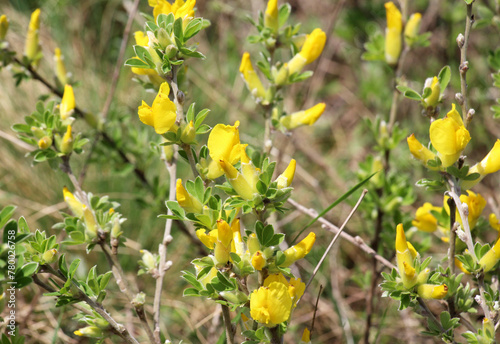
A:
(171, 51)
(223, 243)
(299, 250)
(90, 223)
(251, 78)
(90, 331)
(393, 41)
(306, 117)
(74, 204)
(433, 99)
(116, 231)
(164, 39)
(49, 256)
(271, 16)
(306, 337)
(431, 291)
(238, 181)
(281, 77)
(188, 133)
(234, 296)
(258, 261)
(67, 106)
(412, 27)
(4, 26)
(189, 203)
(60, 70)
(148, 259)
(253, 244)
(32, 48)
(45, 142)
(491, 258)
(37, 132)
(67, 141)
(312, 48)
(285, 179)
(237, 246)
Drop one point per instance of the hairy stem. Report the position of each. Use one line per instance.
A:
(230, 330)
(464, 64)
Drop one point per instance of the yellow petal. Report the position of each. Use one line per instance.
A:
(430, 291)
(68, 102)
(313, 46)
(285, 179)
(418, 150)
(271, 305)
(300, 250)
(145, 114)
(424, 220)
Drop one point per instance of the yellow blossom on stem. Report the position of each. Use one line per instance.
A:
(305, 117)
(223, 144)
(271, 16)
(404, 258)
(237, 246)
(306, 337)
(491, 258)
(253, 243)
(61, 73)
(32, 48)
(67, 106)
(299, 250)
(162, 114)
(449, 137)
(207, 239)
(251, 78)
(475, 203)
(45, 142)
(412, 27)
(238, 181)
(432, 99)
(90, 223)
(393, 41)
(73, 203)
(271, 305)
(258, 261)
(424, 220)
(185, 200)
(223, 243)
(248, 169)
(4, 26)
(420, 152)
(67, 141)
(431, 291)
(494, 223)
(489, 164)
(90, 331)
(179, 8)
(312, 48)
(49, 256)
(285, 179)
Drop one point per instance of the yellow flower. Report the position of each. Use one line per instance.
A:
(285, 179)
(412, 27)
(258, 261)
(61, 73)
(296, 287)
(433, 99)
(271, 305)
(73, 203)
(460, 265)
(67, 106)
(67, 141)
(393, 41)
(207, 239)
(162, 114)
(223, 243)
(90, 331)
(306, 117)
(237, 246)
(491, 258)
(489, 164)
(494, 223)
(449, 137)
(312, 48)
(424, 220)
(4, 26)
(45, 142)
(251, 78)
(179, 8)
(90, 223)
(404, 258)
(32, 46)
(476, 204)
(431, 291)
(223, 144)
(300, 250)
(271, 16)
(306, 337)
(248, 170)
(238, 181)
(185, 200)
(253, 243)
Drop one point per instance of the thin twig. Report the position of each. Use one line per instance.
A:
(334, 240)
(453, 235)
(482, 300)
(187, 148)
(230, 331)
(316, 308)
(465, 221)
(464, 64)
(356, 241)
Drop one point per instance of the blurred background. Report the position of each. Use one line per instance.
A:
(89, 33)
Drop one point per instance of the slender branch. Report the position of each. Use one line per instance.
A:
(117, 272)
(431, 315)
(163, 266)
(230, 330)
(275, 335)
(339, 232)
(316, 308)
(464, 64)
(482, 299)
(356, 241)
(187, 148)
(453, 235)
(464, 217)
(141, 314)
(268, 139)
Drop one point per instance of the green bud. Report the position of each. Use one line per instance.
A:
(188, 133)
(164, 38)
(235, 296)
(37, 132)
(50, 256)
(253, 244)
(171, 51)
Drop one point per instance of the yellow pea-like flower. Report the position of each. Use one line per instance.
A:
(67, 141)
(433, 99)
(90, 331)
(489, 164)
(251, 78)
(4, 26)
(296, 289)
(424, 220)
(73, 203)
(491, 258)
(299, 250)
(185, 200)
(162, 114)
(67, 106)
(179, 8)
(248, 170)
(285, 179)
(311, 49)
(60, 70)
(207, 239)
(223, 243)
(393, 40)
(271, 16)
(90, 223)
(258, 261)
(412, 27)
(494, 223)
(476, 204)
(305, 117)
(238, 181)
(431, 291)
(449, 137)
(238, 245)
(45, 142)
(224, 144)
(32, 48)
(404, 258)
(420, 152)
(306, 337)
(271, 305)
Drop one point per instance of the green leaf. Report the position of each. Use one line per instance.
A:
(6, 214)
(193, 28)
(411, 94)
(28, 269)
(331, 206)
(444, 77)
(283, 14)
